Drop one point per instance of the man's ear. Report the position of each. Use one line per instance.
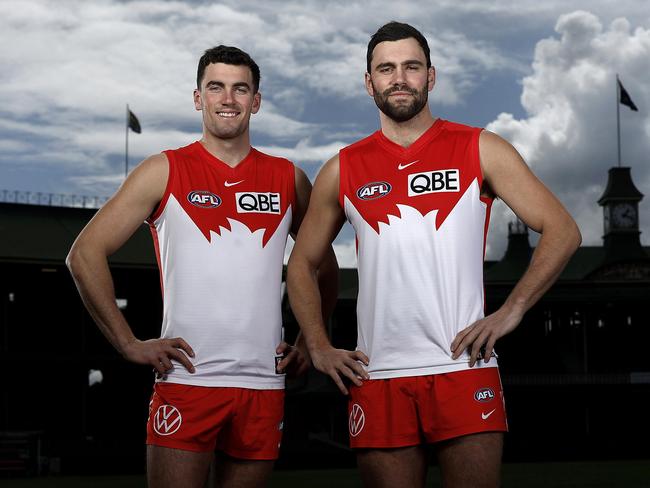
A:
(431, 78)
(197, 99)
(257, 102)
(369, 88)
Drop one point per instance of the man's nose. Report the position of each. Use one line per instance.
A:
(399, 76)
(228, 97)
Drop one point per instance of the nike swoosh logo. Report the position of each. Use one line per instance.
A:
(402, 166)
(227, 184)
(484, 416)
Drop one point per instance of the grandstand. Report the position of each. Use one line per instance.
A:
(575, 372)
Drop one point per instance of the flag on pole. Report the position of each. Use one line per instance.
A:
(624, 99)
(134, 123)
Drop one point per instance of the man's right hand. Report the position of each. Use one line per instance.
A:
(159, 353)
(339, 363)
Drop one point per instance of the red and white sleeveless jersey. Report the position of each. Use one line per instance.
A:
(220, 235)
(421, 225)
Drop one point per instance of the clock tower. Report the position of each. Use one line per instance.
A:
(620, 203)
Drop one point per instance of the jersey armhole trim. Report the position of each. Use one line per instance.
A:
(171, 162)
(342, 179)
(476, 152)
(292, 191)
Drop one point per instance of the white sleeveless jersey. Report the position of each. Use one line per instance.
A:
(220, 235)
(421, 226)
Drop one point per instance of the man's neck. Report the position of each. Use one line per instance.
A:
(230, 151)
(406, 133)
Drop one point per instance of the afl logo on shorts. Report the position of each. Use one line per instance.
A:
(203, 199)
(375, 190)
(167, 420)
(357, 420)
(484, 395)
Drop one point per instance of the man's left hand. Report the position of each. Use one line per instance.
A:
(296, 359)
(483, 334)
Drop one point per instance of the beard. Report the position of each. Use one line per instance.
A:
(403, 111)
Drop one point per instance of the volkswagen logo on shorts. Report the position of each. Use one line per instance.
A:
(203, 199)
(375, 190)
(167, 420)
(484, 395)
(357, 420)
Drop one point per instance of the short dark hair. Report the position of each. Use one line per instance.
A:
(396, 31)
(228, 55)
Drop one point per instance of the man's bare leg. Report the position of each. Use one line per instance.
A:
(176, 468)
(403, 467)
(471, 461)
(241, 473)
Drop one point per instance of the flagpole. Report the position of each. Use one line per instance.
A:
(126, 152)
(618, 118)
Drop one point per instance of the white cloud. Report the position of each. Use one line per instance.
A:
(70, 67)
(569, 135)
(305, 152)
(270, 122)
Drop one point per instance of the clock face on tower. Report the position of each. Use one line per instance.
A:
(623, 216)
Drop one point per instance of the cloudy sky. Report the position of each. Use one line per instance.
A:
(540, 74)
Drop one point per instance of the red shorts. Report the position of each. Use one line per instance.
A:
(400, 412)
(242, 422)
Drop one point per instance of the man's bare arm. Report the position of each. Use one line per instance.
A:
(328, 270)
(108, 230)
(511, 180)
(328, 274)
(320, 226)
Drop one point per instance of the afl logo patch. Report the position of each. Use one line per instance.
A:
(167, 420)
(357, 420)
(203, 199)
(374, 190)
(484, 395)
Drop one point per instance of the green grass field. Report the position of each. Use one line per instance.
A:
(606, 474)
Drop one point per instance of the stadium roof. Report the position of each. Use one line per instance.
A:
(44, 234)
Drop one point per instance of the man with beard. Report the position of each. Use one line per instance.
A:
(418, 194)
(220, 212)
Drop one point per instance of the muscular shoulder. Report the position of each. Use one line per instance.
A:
(157, 162)
(501, 164)
(150, 177)
(303, 185)
(494, 150)
(330, 170)
(154, 167)
(300, 176)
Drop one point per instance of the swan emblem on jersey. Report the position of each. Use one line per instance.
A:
(203, 199)
(437, 190)
(374, 190)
